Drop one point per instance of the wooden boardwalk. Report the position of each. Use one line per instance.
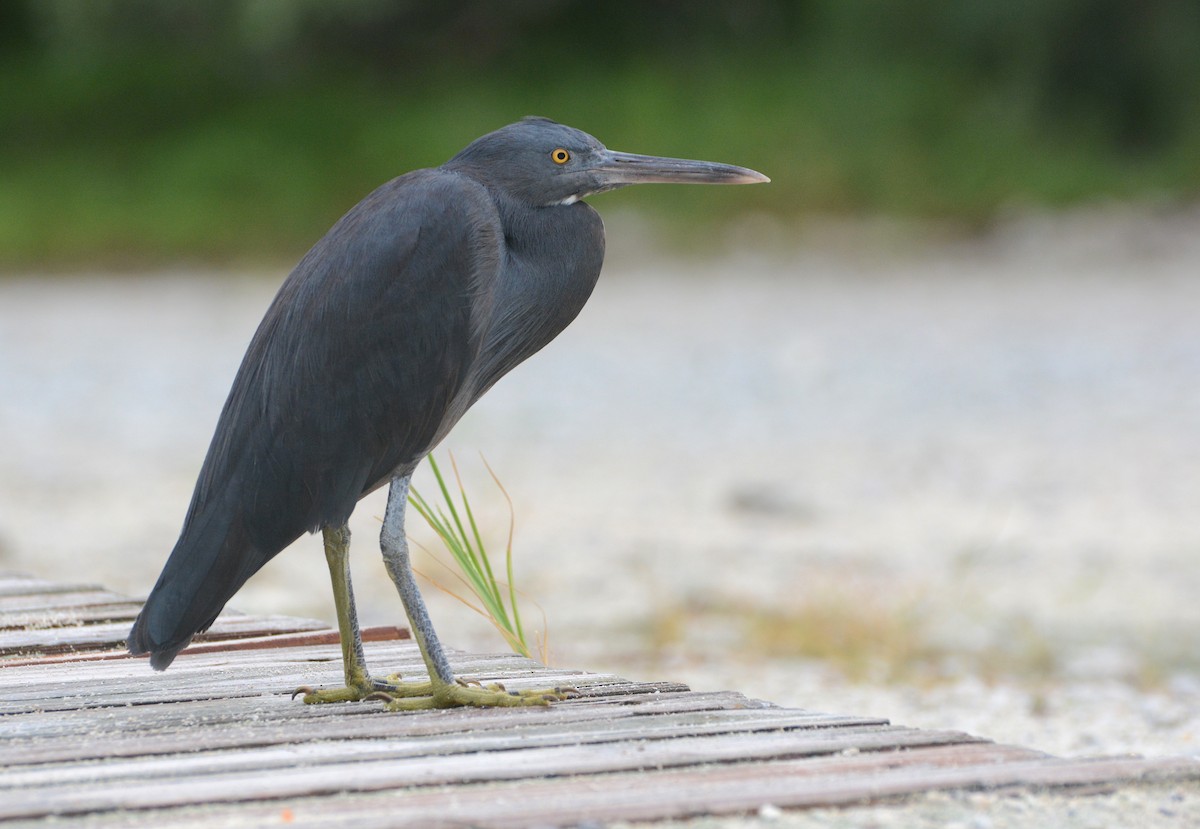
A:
(89, 734)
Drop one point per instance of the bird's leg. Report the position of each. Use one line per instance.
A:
(442, 690)
(358, 681)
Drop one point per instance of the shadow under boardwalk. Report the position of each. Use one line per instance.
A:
(217, 740)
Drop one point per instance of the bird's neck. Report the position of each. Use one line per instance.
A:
(552, 258)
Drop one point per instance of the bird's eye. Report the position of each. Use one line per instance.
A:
(560, 156)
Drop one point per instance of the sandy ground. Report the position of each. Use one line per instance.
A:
(954, 484)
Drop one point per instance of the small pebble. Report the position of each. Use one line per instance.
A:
(769, 811)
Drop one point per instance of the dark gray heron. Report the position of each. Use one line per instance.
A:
(412, 306)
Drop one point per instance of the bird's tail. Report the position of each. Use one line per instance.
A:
(208, 565)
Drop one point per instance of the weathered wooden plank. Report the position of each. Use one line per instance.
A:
(70, 685)
(302, 770)
(107, 635)
(61, 600)
(271, 640)
(201, 717)
(141, 687)
(649, 795)
(591, 725)
(197, 665)
(596, 748)
(13, 584)
(72, 617)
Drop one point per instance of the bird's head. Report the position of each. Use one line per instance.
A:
(545, 163)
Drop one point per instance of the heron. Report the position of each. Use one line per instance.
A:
(410, 308)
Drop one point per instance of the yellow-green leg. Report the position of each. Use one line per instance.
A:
(442, 690)
(359, 684)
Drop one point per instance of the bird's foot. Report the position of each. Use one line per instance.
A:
(361, 689)
(420, 696)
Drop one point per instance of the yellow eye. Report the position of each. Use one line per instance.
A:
(560, 156)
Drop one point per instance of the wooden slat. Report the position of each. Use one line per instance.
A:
(239, 673)
(19, 585)
(381, 633)
(298, 769)
(60, 600)
(212, 716)
(247, 776)
(651, 794)
(124, 612)
(582, 724)
(235, 675)
(215, 740)
(71, 638)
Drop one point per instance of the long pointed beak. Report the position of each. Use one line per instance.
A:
(619, 169)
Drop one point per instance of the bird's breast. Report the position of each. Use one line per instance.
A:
(549, 267)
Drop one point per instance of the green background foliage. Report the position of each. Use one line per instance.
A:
(135, 132)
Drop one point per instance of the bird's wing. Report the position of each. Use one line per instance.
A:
(360, 355)
(349, 376)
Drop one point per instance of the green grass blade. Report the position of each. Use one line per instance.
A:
(464, 541)
(508, 552)
(445, 530)
(487, 565)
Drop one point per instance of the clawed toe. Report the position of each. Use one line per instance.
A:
(412, 696)
(348, 693)
(559, 693)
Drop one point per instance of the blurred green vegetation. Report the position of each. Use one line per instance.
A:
(137, 132)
